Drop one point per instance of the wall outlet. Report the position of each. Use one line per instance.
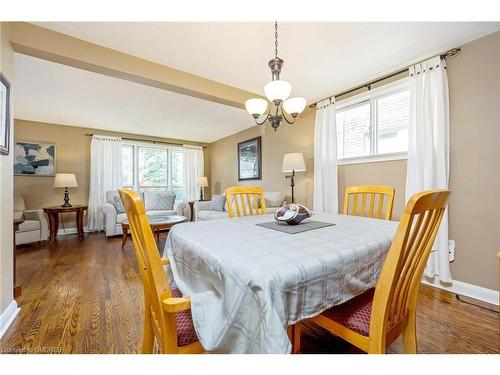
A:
(451, 250)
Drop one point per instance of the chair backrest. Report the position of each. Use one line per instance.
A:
(397, 287)
(370, 208)
(154, 278)
(255, 203)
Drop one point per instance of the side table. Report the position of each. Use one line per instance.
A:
(53, 214)
(191, 207)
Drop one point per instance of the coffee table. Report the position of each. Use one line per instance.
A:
(157, 223)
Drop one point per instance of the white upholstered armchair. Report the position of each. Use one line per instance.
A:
(34, 228)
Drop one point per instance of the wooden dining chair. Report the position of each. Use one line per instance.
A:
(167, 315)
(374, 319)
(247, 200)
(371, 208)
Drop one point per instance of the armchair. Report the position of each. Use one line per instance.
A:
(35, 227)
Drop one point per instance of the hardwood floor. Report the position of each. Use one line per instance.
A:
(86, 297)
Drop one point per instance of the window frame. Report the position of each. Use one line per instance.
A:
(372, 96)
(135, 169)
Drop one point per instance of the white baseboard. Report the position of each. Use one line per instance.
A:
(8, 316)
(465, 289)
(71, 230)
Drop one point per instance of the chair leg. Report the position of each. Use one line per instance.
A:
(294, 336)
(149, 337)
(410, 334)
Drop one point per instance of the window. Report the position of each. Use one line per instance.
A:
(152, 167)
(374, 123)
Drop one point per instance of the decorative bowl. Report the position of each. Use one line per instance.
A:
(292, 214)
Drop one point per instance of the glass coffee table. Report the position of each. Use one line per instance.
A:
(158, 223)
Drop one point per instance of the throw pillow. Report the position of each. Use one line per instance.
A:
(217, 203)
(117, 202)
(159, 200)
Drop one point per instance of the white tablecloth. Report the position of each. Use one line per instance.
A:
(247, 283)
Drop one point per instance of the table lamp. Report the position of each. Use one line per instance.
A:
(293, 162)
(201, 182)
(65, 180)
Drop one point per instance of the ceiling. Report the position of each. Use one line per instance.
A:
(320, 58)
(54, 93)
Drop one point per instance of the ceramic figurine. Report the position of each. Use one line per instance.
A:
(292, 214)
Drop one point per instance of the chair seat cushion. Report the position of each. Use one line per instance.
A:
(29, 225)
(184, 323)
(355, 313)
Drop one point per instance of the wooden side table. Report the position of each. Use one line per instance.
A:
(191, 207)
(17, 287)
(53, 214)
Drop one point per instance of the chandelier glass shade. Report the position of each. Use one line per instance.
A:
(277, 92)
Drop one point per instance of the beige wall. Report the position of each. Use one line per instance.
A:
(474, 80)
(72, 156)
(6, 275)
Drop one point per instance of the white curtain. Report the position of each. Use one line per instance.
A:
(429, 148)
(325, 158)
(105, 175)
(193, 166)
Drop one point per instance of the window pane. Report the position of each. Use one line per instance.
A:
(353, 131)
(127, 166)
(392, 118)
(179, 192)
(153, 167)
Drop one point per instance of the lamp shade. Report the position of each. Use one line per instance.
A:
(256, 106)
(202, 181)
(294, 106)
(293, 162)
(64, 180)
(277, 90)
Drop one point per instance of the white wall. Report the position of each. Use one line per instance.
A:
(6, 183)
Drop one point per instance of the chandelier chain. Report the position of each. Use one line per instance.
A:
(276, 39)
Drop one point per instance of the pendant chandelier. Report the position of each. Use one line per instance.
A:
(277, 92)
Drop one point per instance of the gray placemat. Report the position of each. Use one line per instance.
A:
(304, 226)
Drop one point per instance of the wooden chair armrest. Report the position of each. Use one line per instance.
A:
(174, 305)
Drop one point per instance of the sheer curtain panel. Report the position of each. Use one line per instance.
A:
(105, 175)
(325, 158)
(193, 165)
(429, 148)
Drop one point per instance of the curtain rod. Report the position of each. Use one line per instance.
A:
(146, 140)
(449, 53)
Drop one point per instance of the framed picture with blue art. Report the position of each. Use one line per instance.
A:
(4, 115)
(250, 159)
(34, 159)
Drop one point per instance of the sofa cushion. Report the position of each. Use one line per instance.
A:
(18, 215)
(29, 225)
(217, 203)
(211, 215)
(159, 200)
(274, 198)
(117, 202)
(161, 212)
(121, 217)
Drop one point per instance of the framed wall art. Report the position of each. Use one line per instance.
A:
(250, 159)
(4, 115)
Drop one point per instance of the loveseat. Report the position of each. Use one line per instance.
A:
(155, 203)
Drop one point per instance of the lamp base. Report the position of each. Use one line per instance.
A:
(66, 199)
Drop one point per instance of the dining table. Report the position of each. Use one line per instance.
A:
(248, 283)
